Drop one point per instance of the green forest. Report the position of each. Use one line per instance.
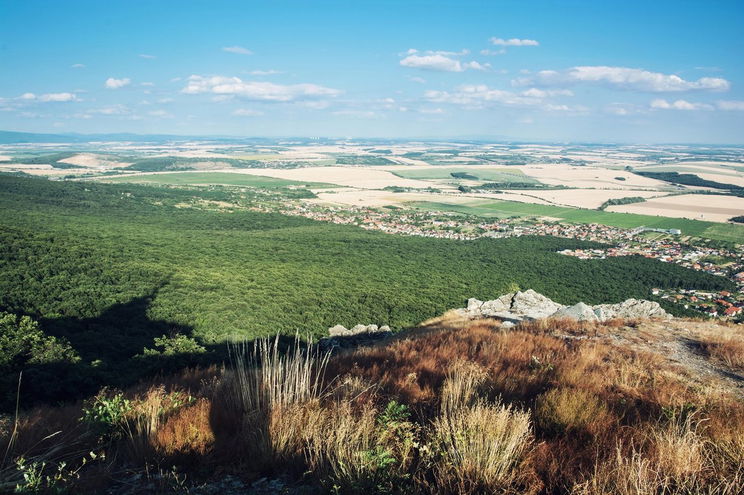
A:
(107, 270)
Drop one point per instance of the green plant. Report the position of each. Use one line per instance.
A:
(107, 413)
(172, 346)
(40, 476)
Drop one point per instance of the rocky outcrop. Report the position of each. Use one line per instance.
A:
(530, 305)
(630, 308)
(342, 337)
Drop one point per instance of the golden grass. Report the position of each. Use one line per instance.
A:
(726, 345)
(539, 409)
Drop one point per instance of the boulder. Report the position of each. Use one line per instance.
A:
(341, 337)
(579, 311)
(533, 305)
(631, 308)
(338, 331)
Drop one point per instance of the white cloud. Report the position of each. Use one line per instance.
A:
(149, 84)
(622, 78)
(146, 56)
(439, 61)
(513, 42)
(545, 93)
(730, 105)
(269, 72)
(661, 104)
(58, 97)
(165, 100)
(493, 52)
(360, 114)
(256, 90)
(247, 112)
(27, 96)
(112, 110)
(432, 62)
(239, 50)
(113, 83)
(431, 111)
(78, 66)
(419, 80)
(478, 96)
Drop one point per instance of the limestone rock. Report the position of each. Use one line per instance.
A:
(631, 308)
(533, 305)
(579, 311)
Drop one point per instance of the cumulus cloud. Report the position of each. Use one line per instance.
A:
(513, 42)
(545, 93)
(247, 112)
(478, 96)
(730, 105)
(622, 78)
(256, 90)
(493, 52)
(78, 66)
(359, 114)
(269, 72)
(439, 61)
(239, 50)
(113, 83)
(50, 97)
(661, 104)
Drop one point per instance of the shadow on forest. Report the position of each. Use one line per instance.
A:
(110, 347)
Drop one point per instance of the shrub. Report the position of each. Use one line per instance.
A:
(175, 345)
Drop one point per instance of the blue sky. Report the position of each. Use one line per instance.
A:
(609, 71)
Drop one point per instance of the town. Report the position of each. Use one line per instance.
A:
(666, 246)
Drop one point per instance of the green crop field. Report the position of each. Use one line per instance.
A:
(505, 209)
(483, 174)
(207, 178)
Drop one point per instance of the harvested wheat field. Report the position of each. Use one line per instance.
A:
(364, 178)
(587, 198)
(710, 207)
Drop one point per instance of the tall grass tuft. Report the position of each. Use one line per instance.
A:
(477, 446)
(267, 379)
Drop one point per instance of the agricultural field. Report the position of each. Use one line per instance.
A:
(505, 209)
(214, 178)
(483, 174)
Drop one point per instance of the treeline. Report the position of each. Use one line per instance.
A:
(621, 201)
(690, 180)
(110, 268)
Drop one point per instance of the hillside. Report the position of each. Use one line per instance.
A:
(111, 268)
(456, 405)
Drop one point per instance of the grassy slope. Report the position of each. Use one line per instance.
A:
(503, 209)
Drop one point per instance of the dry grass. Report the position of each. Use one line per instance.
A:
(548, 407)
(725, 345)
(478, 445)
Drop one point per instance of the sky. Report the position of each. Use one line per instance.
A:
(604, 71)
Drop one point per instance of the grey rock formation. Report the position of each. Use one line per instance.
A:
(530, 305)
(631, 308)
(579, 311)
(342, 337)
